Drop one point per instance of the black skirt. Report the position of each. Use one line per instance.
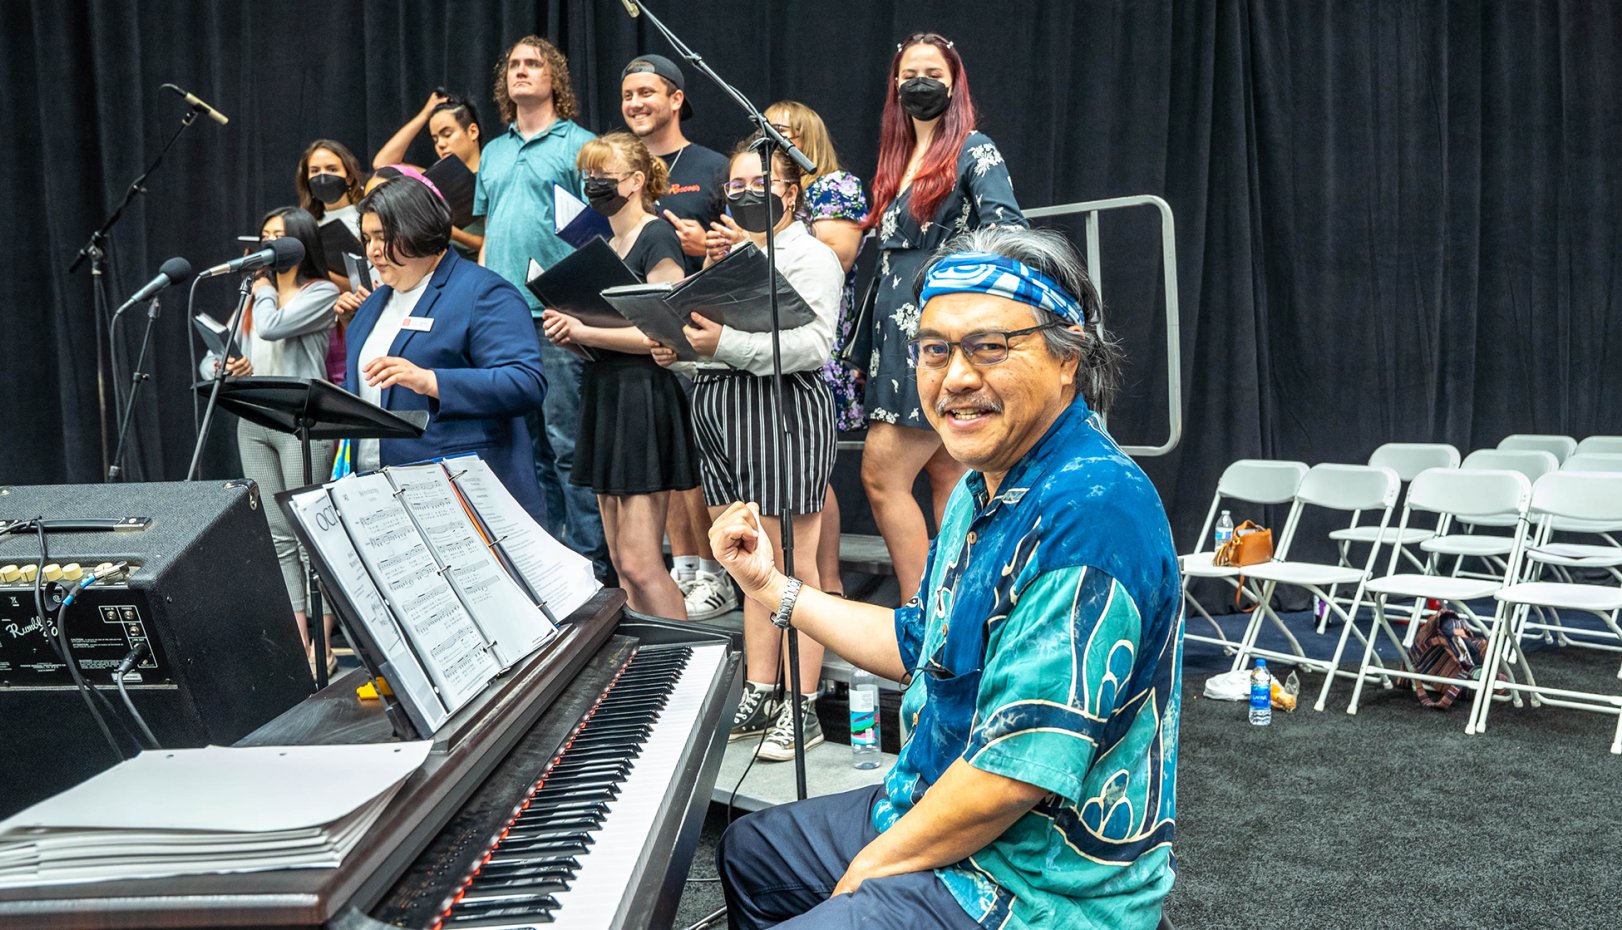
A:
(635, 434)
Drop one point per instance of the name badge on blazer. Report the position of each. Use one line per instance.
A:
(421, 324)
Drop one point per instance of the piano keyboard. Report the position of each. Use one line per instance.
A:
(601, 794)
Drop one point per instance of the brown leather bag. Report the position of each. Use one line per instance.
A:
(1250, 544)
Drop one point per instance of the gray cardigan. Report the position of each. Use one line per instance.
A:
(304, 327)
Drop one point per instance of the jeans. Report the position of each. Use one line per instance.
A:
(779, 865)
(571, 510)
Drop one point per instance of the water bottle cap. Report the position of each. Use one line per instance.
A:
(1261, 663)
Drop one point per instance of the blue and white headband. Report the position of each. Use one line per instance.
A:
(1000, 276)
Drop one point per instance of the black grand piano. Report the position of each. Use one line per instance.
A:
(569, 794)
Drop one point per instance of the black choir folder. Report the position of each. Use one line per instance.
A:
(732, 292)
(575, 284)
(455, 184)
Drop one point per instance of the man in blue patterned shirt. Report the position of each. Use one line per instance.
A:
(1038, 787)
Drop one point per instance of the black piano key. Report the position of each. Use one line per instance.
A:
(538, 855)
(563, 809)
(523, 877)
(498, 916)
(540, 866)
(622, 751)
(538, 831)
(537, 895)
(594, 814)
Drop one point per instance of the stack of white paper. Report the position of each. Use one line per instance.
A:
(197, 811)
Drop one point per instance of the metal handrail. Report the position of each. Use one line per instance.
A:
(1168, 263)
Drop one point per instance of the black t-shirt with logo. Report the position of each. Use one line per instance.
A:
(696, 177)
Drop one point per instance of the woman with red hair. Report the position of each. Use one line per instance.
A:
(937, 177)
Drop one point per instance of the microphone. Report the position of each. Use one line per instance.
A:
(631, 8)
(198, 102)
(277, 255)
(174, 271)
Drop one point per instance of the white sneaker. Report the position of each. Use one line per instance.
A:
(779, 743)
(709, 597)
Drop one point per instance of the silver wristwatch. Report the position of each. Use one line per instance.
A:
(785, 607)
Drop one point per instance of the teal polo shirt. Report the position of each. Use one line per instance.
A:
(513, 192)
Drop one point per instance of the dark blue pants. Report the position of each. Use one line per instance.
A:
(779, 865)
(570, 509)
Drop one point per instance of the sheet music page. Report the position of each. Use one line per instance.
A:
(403, 670)
(450, 645)
(506, 615)
(558, 575)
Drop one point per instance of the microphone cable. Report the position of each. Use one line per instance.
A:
(141, 648)
(58, 638)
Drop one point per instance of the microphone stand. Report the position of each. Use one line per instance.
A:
(771, 140)
(95, 251)
(137, 378)
(219, 376)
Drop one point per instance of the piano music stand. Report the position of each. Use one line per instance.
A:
(311, 409)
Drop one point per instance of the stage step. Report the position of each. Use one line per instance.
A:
(827, 771)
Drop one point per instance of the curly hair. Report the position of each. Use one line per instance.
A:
(562, 90)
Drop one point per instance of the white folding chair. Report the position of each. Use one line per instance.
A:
(1450, 493)
(1462, 543)
(1559, 446)
(1407, 459)
(1562, 557)
(1334, 487)
(1574, 495)
(1250, 481)
(1604, 444)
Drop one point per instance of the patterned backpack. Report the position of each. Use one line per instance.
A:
(1446, 647)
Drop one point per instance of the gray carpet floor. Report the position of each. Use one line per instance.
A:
(1392, 818)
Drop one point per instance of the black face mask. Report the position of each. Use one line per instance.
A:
(755, 211)
(604, 195)
(924, 98)
(328, 188)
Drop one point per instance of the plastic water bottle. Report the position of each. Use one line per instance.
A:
(1224, 529)
(1261, 695)
(864, 720)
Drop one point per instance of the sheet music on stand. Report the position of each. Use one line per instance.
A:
(380, 634)
(560, 579)
(452, 648)
(511, 622)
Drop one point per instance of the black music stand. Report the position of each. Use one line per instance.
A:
(311, 409)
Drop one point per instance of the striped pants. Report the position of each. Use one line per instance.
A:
(739, 429)
(275, 462)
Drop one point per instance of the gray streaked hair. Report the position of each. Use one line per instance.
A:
(1049, 252)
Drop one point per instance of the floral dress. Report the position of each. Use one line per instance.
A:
(838, 196)
(984, 196)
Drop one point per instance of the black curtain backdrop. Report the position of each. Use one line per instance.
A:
(1395, 220)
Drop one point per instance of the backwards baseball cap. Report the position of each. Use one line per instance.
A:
(665, 68)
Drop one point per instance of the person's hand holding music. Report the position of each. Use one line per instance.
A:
(703, 334)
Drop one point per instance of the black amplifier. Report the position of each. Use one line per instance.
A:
(204, 594)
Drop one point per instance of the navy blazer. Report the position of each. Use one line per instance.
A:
(483, 349)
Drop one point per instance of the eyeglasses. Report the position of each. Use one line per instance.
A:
(783, 128)
(735, 188)
(980, 348)
(594, 175)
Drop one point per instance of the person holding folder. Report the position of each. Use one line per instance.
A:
(444, 335)
(452, 122)
(736, 422)
(633, 443)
